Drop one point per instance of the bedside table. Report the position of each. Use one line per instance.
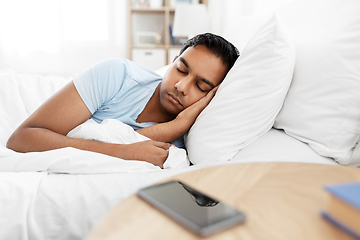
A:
(281, 201)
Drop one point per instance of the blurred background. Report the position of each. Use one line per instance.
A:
(63, 37)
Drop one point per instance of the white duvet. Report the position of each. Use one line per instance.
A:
(75, 161)
(62, 194)
(27, 92)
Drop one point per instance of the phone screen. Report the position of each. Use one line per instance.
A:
(195, 210)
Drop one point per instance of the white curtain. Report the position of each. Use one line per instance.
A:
(60, 36)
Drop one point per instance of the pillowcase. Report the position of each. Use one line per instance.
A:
(248, 100)
(323, 104)
(247, 26)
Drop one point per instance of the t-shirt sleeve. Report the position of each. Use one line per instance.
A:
(98, 84)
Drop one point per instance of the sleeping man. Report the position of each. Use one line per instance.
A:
(162, 109)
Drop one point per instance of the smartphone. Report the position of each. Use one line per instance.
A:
(194, 210)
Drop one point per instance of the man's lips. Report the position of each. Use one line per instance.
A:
(174, 99)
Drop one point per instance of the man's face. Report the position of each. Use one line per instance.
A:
(189, 78)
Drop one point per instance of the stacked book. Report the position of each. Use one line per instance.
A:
(344, 208)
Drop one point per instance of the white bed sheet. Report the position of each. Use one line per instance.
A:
(38, 205)
(63, 206)
(277, 146)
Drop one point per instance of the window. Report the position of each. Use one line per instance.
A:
(28, 26)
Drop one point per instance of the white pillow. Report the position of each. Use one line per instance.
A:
(246, 27)
(249, 98)
(323, 104)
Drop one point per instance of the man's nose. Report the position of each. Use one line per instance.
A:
(183, 85)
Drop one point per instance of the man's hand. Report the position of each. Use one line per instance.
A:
(150, 151)
(170, 131)
(190, 114)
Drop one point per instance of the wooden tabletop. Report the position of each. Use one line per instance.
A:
(280, 200)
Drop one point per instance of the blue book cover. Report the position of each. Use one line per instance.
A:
(340, 225)
(349, 193)
(171, 36)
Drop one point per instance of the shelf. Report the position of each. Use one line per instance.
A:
(147, 24)
(147, 9)
(148, 46)
(155, 46)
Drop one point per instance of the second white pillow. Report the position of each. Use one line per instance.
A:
(249, 98)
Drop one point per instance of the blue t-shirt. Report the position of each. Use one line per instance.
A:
(118, 89)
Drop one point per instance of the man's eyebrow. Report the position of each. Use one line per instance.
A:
(207, 82)
(202, 79)
(184, 62)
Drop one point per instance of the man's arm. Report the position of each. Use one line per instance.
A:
(47, 127)
(172, 130)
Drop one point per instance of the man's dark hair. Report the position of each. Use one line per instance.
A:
(219, 46)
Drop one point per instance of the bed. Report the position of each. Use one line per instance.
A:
(298, 101)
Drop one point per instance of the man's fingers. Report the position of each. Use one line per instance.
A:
(207, 98)
(215, 89)
(162, 145)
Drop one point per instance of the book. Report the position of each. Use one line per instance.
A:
(171, 35)
(344, 208)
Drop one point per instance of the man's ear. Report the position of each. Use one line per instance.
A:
(175, 58)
